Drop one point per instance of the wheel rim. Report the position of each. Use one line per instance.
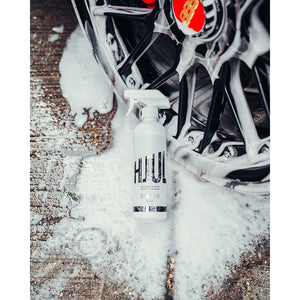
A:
(218, 124)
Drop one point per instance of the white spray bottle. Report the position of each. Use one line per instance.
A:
(149, 176)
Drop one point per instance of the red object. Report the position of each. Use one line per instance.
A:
(190, 12)
(150, 3)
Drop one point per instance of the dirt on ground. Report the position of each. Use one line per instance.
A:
(55, 139)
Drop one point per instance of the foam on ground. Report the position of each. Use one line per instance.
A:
(208, 226)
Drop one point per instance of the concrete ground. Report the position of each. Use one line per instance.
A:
(55, 139)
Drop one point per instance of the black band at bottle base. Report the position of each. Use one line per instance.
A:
(149, 209)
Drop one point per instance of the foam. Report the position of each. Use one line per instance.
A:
(82, 81)
(208, 227)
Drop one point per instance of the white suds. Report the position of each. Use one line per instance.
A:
(83, 82)
(35, 218)
(213, 227)
(58, 29)
(53, 37)
(208, 226)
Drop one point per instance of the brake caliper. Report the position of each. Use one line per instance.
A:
(150, 3)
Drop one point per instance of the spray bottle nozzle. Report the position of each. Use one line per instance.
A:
(148, 98)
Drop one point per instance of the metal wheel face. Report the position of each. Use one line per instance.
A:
(215, 74)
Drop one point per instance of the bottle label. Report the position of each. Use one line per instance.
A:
(149, 208)
(145, 168)
(150, 183)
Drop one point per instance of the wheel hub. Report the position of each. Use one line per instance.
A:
(189, 15)
(200, 18)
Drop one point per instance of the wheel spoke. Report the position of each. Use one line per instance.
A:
(259, 38)
(263, 86)
(140, 48)
(127, 13)
(247, 126)
(216, 108)
(186, 97)
(230, 99)
(250, 40)
(132, 14)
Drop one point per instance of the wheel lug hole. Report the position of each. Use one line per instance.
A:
(264, 149)
(130, 82)
(227, 153)
(191, 140)
(110, 39)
